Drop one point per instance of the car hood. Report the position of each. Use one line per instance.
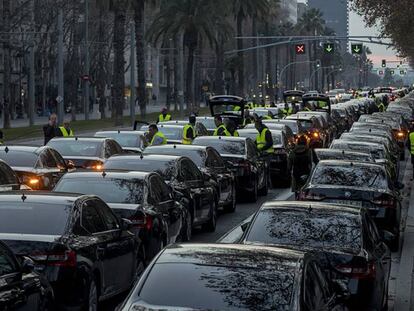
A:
(233, 157)
(142, 305)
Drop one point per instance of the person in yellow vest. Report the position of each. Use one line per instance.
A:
(236, 108)
(287, 111)
(264, 139)
(221, 129)
(65, 130)
(164, 116)
(232, 128)
(189, 132)
(247, 119)
(411, 141)
(154, 137)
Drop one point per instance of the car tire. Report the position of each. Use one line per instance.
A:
(93, 298)
(265, 190)
(253, 195)
(231, 207)
(395, 244)
(210, 226)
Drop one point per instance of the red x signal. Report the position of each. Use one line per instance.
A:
(300, 49)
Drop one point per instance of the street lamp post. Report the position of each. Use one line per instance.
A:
(290, 64)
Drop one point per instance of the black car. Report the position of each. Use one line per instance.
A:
(85, 252)
(250, 169)
(130, 141)
(184, 177)
(174, 130)
(209, 161)
(346, 236)
(9, 179)
(336, 154)
(233, 277)
(318, 137)
(86, 152)
(281, 161)
(361, 185)
(20, 287)
(143, 198)
(295, 125)
(40, 168)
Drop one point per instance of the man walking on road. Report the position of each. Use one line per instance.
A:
(264, 139)
(189, 132)
(50, 129)
(164, 116)
(65, 130)
(221, 129)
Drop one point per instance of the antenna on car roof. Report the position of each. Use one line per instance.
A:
(6, 149)
(76, 138)
(24, 197)
(141, 156)
(119, 131)
(103, 174)
(310, 209)
(343, 151)
(175, 146)
(352, 163)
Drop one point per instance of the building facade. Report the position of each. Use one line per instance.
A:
(290, 10)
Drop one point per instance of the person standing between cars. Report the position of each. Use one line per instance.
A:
(154, 137)
(65, 130)
(264, 139)
(286, 111)
(189, 132)
(232, 128)
(302, 163)
(50, 129)
(247, 119)
(221, 129)
(164, 116)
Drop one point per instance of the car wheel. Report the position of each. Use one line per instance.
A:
(231, 207)
(211, 225)
(264, 191)
(395, 244)
(92, 296)
(253, 195)
(402, 155)
(187, 232)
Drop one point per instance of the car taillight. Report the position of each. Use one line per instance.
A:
(245, 166)
(56, 259)
(143, 222)
(368, 271)
(388, 202)
(96, 166)
(303, 196)
(34, 182)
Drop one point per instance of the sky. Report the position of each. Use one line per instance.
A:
(357, 28)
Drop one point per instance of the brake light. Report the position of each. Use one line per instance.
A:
(368, 271)
(32, 181)
(56, 259)
(384, 202)
(143, 222)
(96, 166)
(315, 135)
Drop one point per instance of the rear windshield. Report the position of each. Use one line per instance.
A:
(208, 123)
(351, 176)
(224, 146)
(197, 156)
(307, 124)
(123, 191)
(77, 148)
(125, 140)
(375, 152)
(19, 158)
(315, 230)
(277, 137)
(215, 287)
(343, 156)
(33, 218)
(166, 169)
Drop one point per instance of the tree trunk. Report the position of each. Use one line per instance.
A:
(167, 64)
(175, 73)
(6, 64)
(140, 51)
(119, 62)
(101, 79)
(240, 54)
(189, 78)
(218, 74)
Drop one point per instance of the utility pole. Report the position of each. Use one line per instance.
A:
(32, 72)
(87, 64)
(181, 85)
(132, 68)
(61, 93)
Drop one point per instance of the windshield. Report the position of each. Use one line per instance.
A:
(226, 109)
(197, 156)
(314, 229)
(34, 218)
(167, 169)
(77, 148)
(125, 140)
(306, 124)
(350, 176)
(111, 190)
(208, 123)
(224, 146)
(19, 158)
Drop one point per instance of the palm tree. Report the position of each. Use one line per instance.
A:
(6, 64)
(191, 19)
(244, 9)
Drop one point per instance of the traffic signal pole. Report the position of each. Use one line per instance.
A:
(287, 66)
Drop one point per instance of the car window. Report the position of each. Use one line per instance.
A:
(313, 290)
(108, 217)
(7, 176)
(58, 158)
(111, 149)
(77, 148)
(91, 221)
(46, 160)
(19, 158)
(7, 263)
(154, 191)
(251, 149)
(165, 191)
(214, 160)
(189, 171)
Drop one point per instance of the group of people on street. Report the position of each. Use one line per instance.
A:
(51, 129)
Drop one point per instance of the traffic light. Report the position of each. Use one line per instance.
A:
(356, 48)
(381, 72)
(318, 63)
(300, 49)
(384, 63)
(329, 48)
(392, 72)
(402, 72)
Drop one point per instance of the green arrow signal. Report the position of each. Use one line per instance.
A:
(357, 49)
(329, 48)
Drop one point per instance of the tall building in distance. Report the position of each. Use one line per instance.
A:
(336, 15)
(290, 10)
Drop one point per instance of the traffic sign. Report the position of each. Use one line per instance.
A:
(329, 48)
(300, 49)
(356, 48)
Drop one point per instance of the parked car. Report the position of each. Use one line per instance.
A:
(329, 127)
(296, 127)
(233, 277)
(20, 287)
(209, 161)
(143, 198)
(129, 140)
(318, 137)
(86, 152)
(361, 185)
(250, 169)
(347, 237)
(86, 253)
(208, 123)
(9, 179)
(40, 168)
(337, 154)
(189, 185)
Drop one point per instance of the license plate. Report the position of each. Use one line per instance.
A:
(348, 202)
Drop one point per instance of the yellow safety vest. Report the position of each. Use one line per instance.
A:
(161, 118)
(226, 132)
(236, 108)
(412, 143)
(236, 134)
(161, 135)
(307, 109)
(186, 140)
(381, 107)
(322, 104)
(261, 141)
(65, 132)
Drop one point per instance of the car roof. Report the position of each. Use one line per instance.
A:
(178, 147)
(121, 174)
(120, 132)
(147, 157)
(353, 142)
(39, 197)
(29, 149)
(225, 138)
(337, 151)
(309, 207)
(301, 117)
(81, 138)
(345, 163)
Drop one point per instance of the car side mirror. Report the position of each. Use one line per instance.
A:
(70, 164)
(28, 265)
(245, 226)
(387, 236)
